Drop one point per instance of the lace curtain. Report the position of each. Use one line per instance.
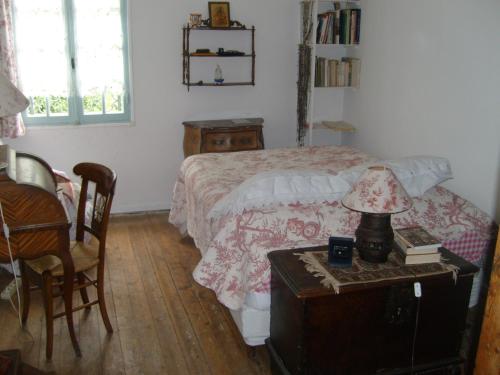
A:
(12, 126)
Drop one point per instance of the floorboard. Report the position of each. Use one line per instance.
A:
(163, 321)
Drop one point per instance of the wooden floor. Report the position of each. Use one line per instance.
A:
(164, 322)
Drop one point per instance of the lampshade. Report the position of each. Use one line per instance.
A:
(12, 101)
(378, 191)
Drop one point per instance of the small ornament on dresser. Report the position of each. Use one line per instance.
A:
(218, 78)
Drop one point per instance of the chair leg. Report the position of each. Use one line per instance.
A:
(68, 306)
(26, 291)
(100, 296)
(49, 312)
(83, 291)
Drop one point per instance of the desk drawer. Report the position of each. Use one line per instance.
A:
(231, 141)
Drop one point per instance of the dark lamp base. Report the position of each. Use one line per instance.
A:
(374, 237)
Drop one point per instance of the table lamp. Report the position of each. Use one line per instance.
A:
(377, 194)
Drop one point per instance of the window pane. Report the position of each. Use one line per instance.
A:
(42, 54)
(99, 50)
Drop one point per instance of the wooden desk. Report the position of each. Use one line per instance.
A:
(36, 218)
(368, 329)
(223, 135)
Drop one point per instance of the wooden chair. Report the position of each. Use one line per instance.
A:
(47, 272)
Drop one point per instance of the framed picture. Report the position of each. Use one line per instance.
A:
(218, 12)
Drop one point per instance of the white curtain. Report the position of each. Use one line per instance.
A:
(12, 126)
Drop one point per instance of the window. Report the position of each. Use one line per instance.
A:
(73, 60)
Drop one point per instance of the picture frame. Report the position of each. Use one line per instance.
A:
(218, 12)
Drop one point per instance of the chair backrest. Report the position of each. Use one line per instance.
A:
(105, 181)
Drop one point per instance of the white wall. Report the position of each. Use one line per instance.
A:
(147, 156)
(430, 84)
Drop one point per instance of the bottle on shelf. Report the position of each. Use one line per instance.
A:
(218, 78)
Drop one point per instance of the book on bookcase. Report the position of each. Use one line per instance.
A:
(416, 240)
(339, 26)
(337, 73)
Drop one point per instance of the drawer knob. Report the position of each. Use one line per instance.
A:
(218, 142)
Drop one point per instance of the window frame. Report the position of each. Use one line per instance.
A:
(76, 115)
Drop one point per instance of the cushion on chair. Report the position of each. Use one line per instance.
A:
(85, 257)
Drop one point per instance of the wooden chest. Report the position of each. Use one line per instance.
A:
(223, 135)
(369, 329)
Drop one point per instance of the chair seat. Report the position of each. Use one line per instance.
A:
(85, 257)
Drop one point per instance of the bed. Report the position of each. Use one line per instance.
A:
(234, 238)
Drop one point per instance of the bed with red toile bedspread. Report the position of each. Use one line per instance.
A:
(234, 229)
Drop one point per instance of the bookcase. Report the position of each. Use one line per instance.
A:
(334, 67)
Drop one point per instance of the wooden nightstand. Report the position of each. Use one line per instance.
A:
(368, 328)
(223, 135)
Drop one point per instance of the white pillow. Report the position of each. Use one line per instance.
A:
(282, 187)
(417, 174)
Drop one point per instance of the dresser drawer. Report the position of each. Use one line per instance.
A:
(231, 141)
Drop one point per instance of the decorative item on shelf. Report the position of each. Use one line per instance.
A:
(222, 52)
(219, 15)
(237, 24)
(195, 19)
(203, 52)
(377, 194)
(218, 78)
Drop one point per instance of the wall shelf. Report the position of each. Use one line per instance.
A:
(187, 55)
(336, 126)
(213, 84)
(219, 56)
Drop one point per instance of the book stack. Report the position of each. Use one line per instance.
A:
(337, 73)
(340, 26)
(417, 246)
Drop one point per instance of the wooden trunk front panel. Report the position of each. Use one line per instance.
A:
(370, 330)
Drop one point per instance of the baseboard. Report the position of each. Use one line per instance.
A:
(138, 208)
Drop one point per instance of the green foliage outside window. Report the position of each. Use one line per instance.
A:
(39, 106)
(92, 103)
(58, 105)
(114, 102)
